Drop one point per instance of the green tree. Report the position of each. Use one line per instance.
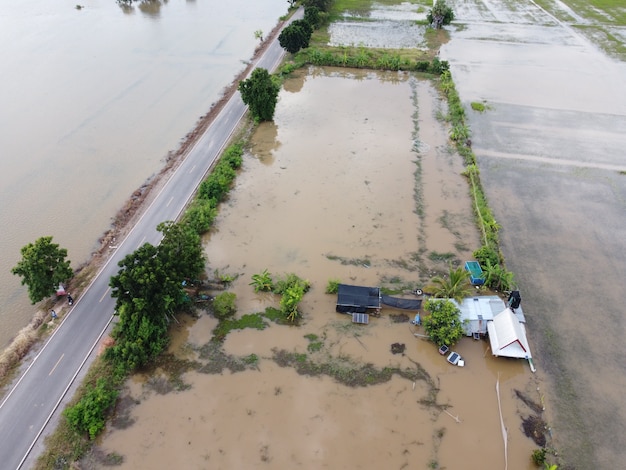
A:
(443, 324)
(145, 293)
(323, 5)
(181, 250)
(313, 16)
(440, 15)
(296, 36)
(43, 267)
(455, 286)
(260, 93)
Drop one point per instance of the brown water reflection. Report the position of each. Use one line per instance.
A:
(335, 175)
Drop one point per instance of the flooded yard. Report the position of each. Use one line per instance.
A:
(335, 188)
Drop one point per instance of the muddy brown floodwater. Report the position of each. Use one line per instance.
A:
(336, 178)
(550, 148)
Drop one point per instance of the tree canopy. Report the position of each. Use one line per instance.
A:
(313, 16)
(443, 325)
(181, 250)
(440, 15)
(323, 5)
(148, 287)
(296, 36)
(260, 93)
(43, 267)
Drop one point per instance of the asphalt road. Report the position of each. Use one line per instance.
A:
(29, 406)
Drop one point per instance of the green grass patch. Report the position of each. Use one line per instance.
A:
(216, 361)
(276, 315)
(480, 107)
(315, 344)
(250, 320)
(365, 262)
(441, 257)
(348, 372)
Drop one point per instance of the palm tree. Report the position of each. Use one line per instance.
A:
(455, 286)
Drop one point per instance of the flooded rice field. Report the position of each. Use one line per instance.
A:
(551, 153)
(334, 189)
(92, 102)
(384, 26)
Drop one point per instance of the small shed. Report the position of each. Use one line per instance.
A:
(358, 299)
(507, 336)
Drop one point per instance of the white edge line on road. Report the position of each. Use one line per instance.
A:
(63, 394)
(34, 360)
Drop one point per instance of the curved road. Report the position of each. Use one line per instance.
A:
(29, 406)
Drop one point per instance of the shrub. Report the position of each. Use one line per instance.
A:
(89, 414)
(290, 299)
(333, 286)
(291, 280)
(224, 305)
(439, 66)
(233, 156)
(262, 282)
(539, 457)
(201, 214)
(480, 107)
(486, 254)
(422, 66)
(217, 184)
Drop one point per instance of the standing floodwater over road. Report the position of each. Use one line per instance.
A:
(93, 99)
(551, 153)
